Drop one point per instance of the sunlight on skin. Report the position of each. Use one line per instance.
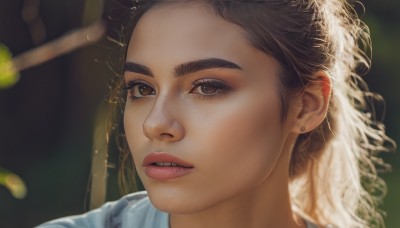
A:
(224, 120)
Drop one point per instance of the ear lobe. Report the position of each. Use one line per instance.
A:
(314, 103)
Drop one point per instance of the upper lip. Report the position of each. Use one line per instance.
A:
(164, 157)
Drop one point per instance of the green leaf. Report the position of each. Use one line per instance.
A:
(8, 75)
(13, 183)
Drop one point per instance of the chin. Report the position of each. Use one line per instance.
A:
(174, 202)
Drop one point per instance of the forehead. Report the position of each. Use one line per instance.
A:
(185, 30)
(171, 34)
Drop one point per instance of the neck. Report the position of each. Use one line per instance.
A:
(246, 211)
(267, 205)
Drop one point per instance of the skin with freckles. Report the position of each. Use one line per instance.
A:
(223, 117)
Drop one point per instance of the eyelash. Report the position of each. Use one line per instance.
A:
(219, 87)
(130, 86)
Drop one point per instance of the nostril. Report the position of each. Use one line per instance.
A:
(166, 135)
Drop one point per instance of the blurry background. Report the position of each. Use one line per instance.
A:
(47, 118)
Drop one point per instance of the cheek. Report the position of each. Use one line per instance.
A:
(243, 138)
(235, 146)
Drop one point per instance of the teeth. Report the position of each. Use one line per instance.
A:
(166, 164)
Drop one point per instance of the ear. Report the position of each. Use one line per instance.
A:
(314, 103)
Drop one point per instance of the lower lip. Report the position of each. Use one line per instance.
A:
(166, 172)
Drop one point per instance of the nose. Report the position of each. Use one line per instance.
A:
(163, 123)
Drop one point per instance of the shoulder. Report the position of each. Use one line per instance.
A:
(133, 210)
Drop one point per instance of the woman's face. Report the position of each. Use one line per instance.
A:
(200, 92)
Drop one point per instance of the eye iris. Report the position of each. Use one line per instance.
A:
(206, 89)
(145, 90)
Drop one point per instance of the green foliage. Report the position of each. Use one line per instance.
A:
(8, 75)
(13, 183)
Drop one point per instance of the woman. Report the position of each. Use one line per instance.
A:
(246, 114)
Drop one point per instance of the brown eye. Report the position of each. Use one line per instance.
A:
(139, 90)
(210, 87)
(143, 90)
(207, 90)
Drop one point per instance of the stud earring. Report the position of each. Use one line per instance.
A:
(302, 129)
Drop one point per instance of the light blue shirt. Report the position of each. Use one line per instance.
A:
(134, 211)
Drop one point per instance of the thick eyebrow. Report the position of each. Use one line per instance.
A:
(185, 68)
(137, 68)
(203, 64)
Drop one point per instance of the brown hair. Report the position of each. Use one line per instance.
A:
(332, 167)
